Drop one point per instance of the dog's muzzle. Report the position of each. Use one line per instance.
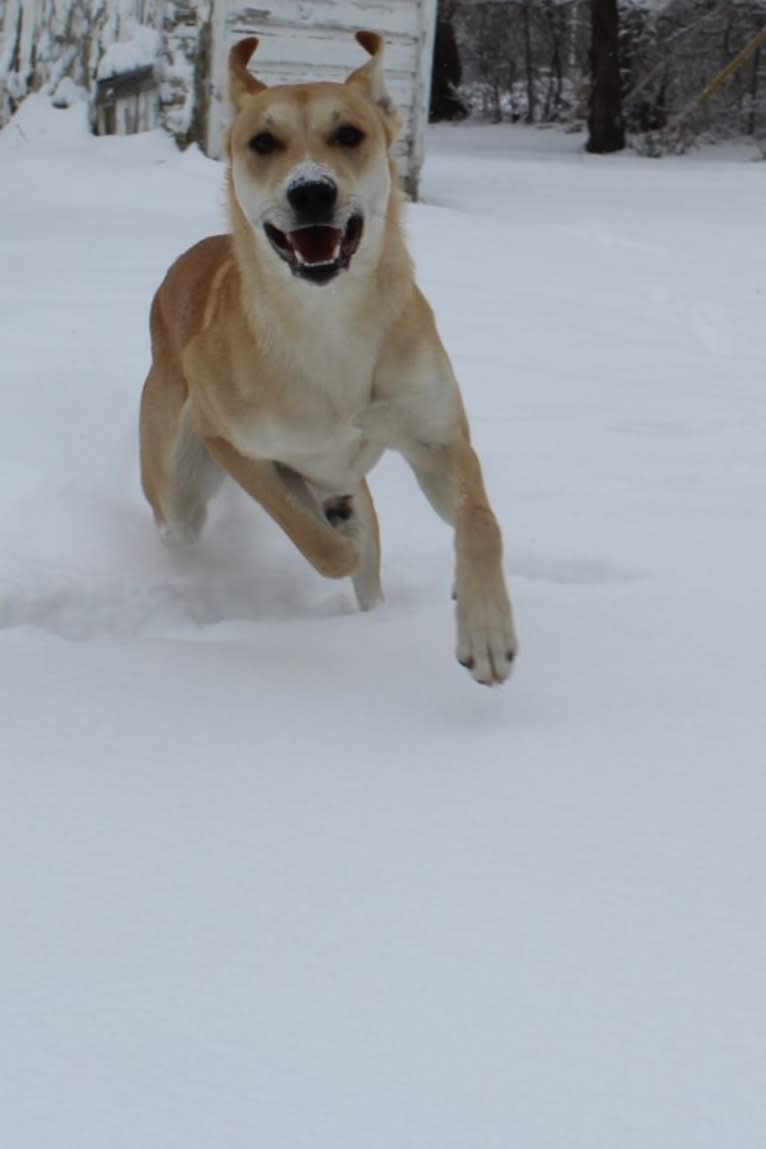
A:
(317, 251)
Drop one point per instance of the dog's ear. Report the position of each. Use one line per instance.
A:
(241, 82)
(369, 78)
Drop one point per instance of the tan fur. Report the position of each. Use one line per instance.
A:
(294, 388)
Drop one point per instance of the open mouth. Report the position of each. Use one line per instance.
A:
(317, 253)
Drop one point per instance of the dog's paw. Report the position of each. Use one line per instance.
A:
(336, 556)
(486, 637)
(182, 532)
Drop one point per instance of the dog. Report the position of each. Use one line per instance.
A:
(292, 352)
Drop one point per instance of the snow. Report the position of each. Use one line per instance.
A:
(277, 873)
(139, 49)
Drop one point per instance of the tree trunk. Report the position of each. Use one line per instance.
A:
(529, 64)
(447, 70)
(753, 109)
(606, 128)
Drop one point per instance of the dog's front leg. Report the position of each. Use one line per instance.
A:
(285, 496)
(450, 475)
(354, 515)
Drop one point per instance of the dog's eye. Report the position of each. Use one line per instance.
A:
(264, 143)
(348, 136)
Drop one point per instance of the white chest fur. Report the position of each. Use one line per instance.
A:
(332, 456)
(323, 381)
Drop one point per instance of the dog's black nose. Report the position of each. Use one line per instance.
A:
(313, 201)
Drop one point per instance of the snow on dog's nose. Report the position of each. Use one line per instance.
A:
(312, 200)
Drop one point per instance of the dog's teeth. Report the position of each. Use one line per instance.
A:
(298, 256)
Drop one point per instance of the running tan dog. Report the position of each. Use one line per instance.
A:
(291, 353)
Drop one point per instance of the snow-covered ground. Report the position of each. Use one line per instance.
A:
(278, 874)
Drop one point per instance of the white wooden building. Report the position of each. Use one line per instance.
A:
(105, 46)
(314, 40)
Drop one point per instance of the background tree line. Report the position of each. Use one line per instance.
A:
(539, 61)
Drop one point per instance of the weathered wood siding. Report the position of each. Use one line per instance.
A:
(44, 40)
(314, 40)
(41, 41)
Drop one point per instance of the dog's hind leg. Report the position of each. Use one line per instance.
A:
(178, 473)
(194, 479)
(354, 515)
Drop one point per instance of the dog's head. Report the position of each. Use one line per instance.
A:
(310, 165)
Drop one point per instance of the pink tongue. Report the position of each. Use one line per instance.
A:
(316, 244)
